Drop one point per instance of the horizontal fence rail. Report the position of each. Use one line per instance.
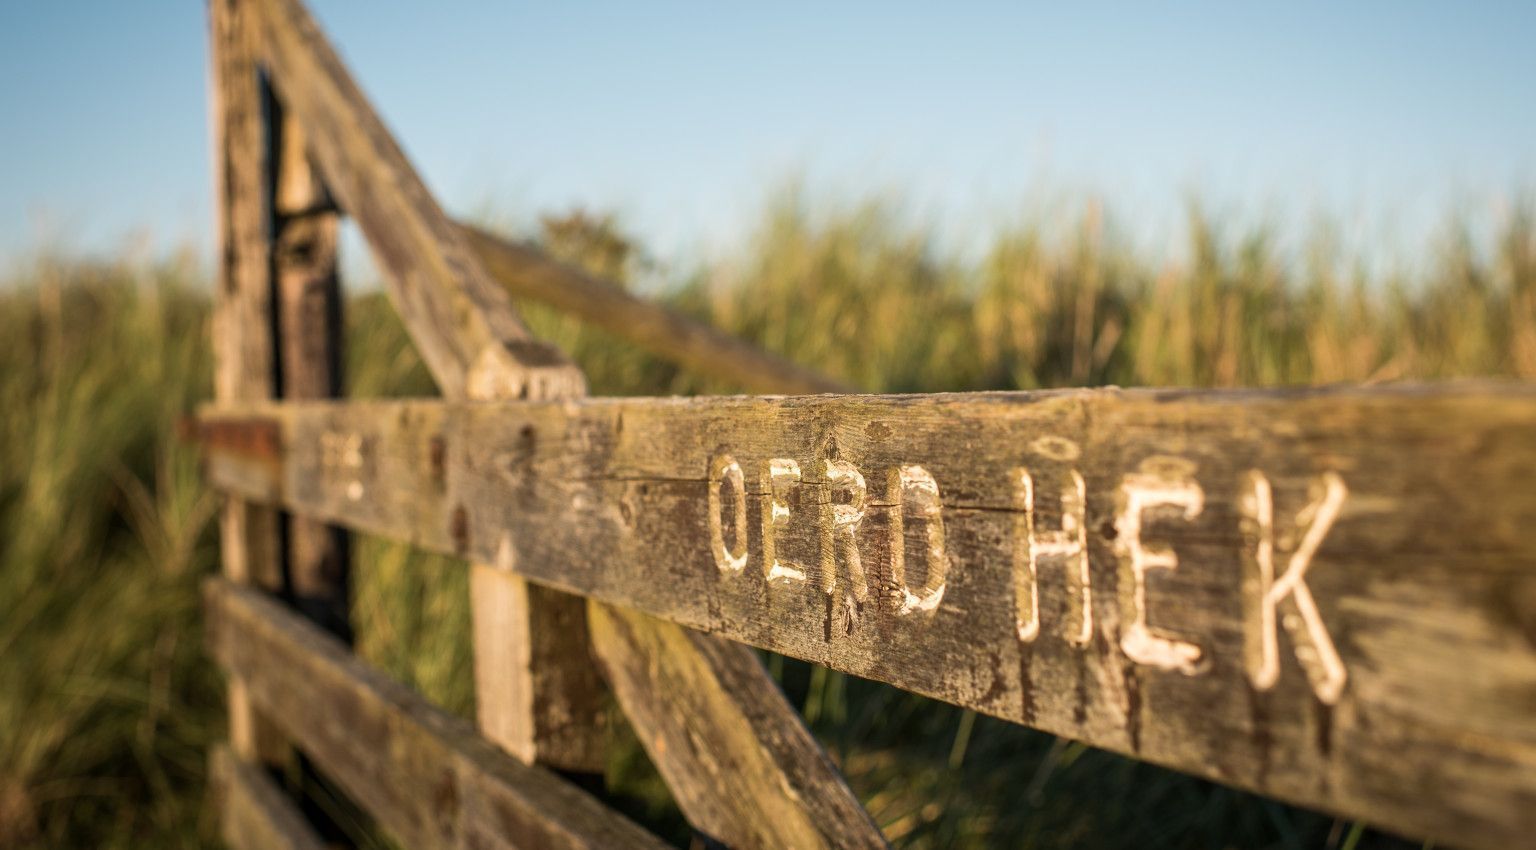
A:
(255, 813)
(530, 273)
(1314, 594)
(1323, 595)
(428, 777)
(538, 691)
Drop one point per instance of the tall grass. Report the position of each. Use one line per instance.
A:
(107, 706)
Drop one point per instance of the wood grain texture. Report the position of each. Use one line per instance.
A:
(538, 692)
(426, 776)
(529, 273)
(254, 814)
(1400, 611)
(243, 344)
(474, 343)
(461, 321)
(734, 753)
(308, 290)
(740, 762)
(245, 355)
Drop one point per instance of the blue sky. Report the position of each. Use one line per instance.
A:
(685, 117)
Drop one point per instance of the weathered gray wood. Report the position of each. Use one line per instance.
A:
(461, 321)
(243, 344)
(471, 338)
(735, 754)
(529, 273)
(742, 766)
(1394, 679)
(538, 693)
(254, 814)
(245, 357)
(309, 354)
(1333, 715)
(542, 705)
(426, 776)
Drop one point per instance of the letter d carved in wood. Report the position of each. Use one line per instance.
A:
(913, 490)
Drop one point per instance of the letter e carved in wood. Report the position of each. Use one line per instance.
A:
(779, 474)
(1159, 483)
(343, 458)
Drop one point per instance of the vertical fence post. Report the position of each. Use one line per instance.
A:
(243, 333)
(276, 331)
(309, 343)
(538, 693)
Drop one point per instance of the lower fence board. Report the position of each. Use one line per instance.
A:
(427, 777)
(254, 813)
(1328, 595)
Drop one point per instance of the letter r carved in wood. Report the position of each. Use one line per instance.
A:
(840, 528)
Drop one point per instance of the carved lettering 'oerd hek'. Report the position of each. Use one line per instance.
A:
(1161, 487)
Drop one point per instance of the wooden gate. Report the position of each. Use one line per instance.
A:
(1325, 595)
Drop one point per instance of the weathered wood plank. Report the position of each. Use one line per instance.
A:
(538, 692)
(254, 814)
(542, 704)
(461, 321)
(1324, 595)
(306, 228)
(741, 764)
(735, 754)
(426, 776)
(245, 356)
(529, 273)
(244, 349)
(469, 334)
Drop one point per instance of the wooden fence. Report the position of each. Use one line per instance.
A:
(1327, 596)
